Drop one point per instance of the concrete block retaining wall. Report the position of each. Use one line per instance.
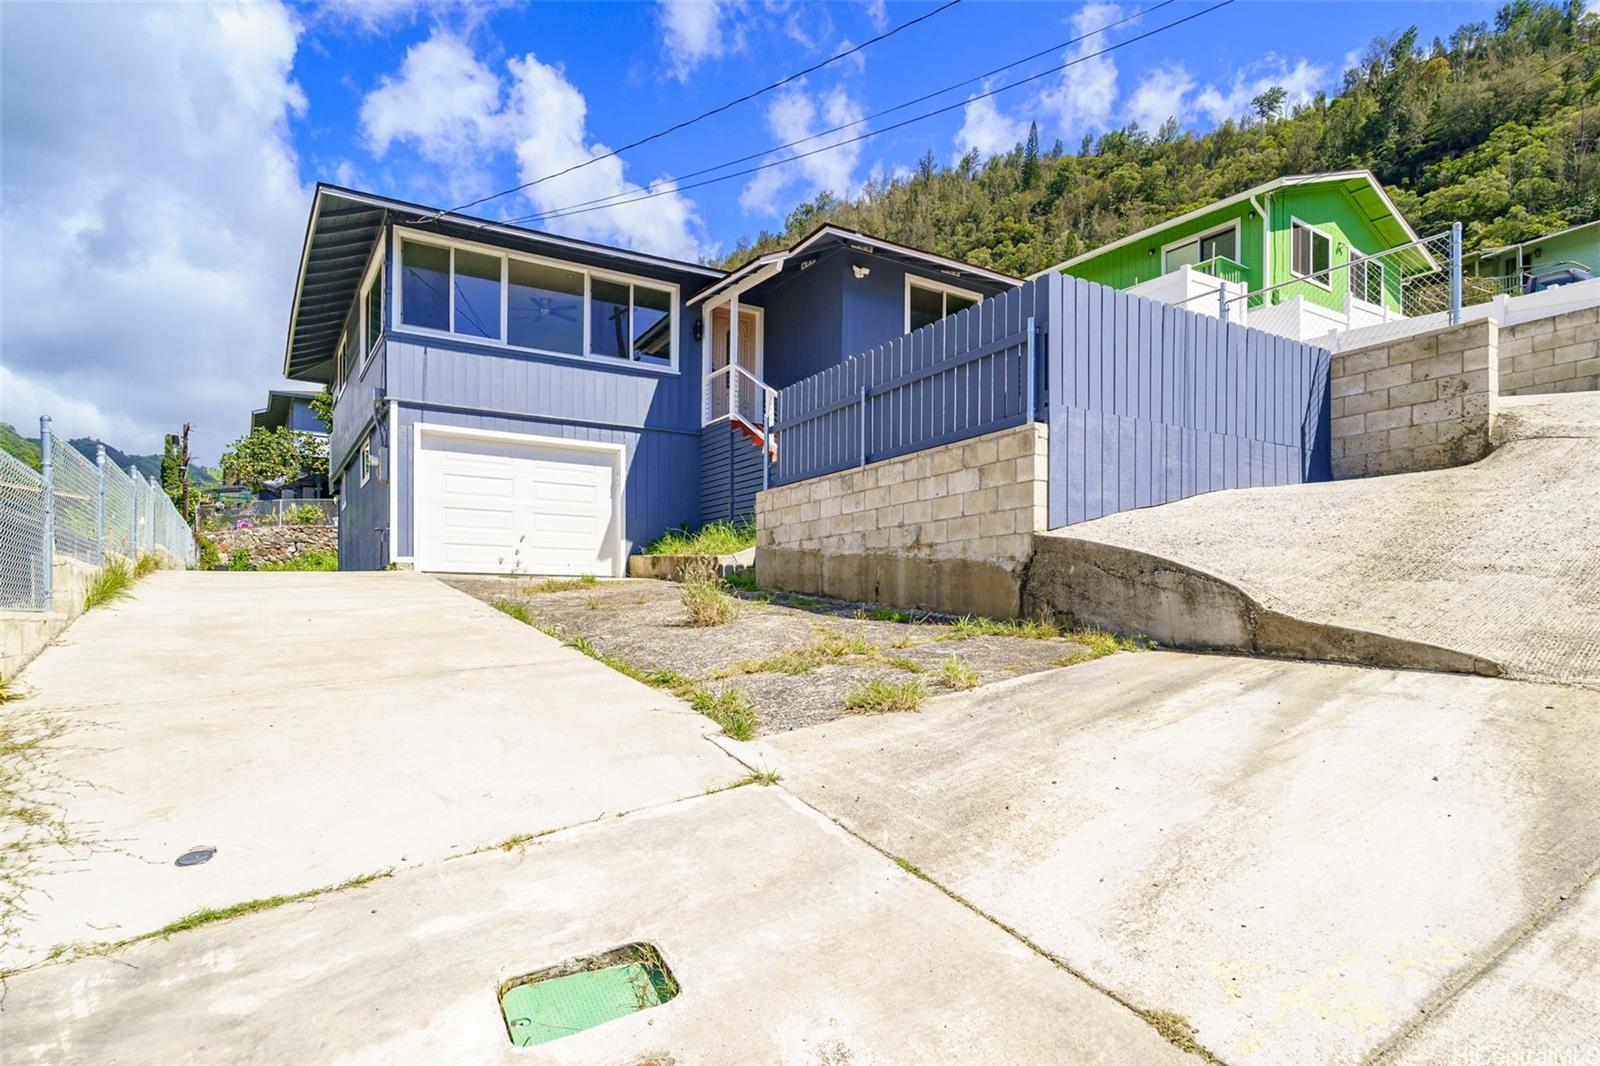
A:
(1419, 403)
(1556, 354)
(946, 529)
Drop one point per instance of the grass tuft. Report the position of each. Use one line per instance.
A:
(758, 777)
(830, 646)
(881, 697)
(969, 626)
(885, 614)
(910, 867)
(148, 564)
(315, 560)
(731, 708)
(704, 597)
(1098, 644)
(718, 538)
(743, 580)
(956, 673)
(111, 583)
(560, 584)
(1177, 1031)
(517, 609)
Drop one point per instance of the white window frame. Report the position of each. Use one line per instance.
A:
(945, 290)
(365, 459)
(367, 280)
(341, 352)
(588, 355)
(1196, 238)
(1368, 263)
(1327, 281)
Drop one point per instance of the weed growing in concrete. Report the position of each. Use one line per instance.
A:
(742, 580)
(731, 708)
(829, 646)
(969, 626)
(148, 564)
(111, 582)
(28, 825)
(1097, 644)
(758, 777)
(910, 867)
(716, 538)
(1177, 1031)
(881, 697)
(901, 662)
(957, 673)
(594, 601)
(705, 598)
(884, 614)
(560, 584)
(680, 685)
(515, 609)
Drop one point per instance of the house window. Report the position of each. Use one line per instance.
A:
(1366, 278)
(342, 360)
(425, 285)
(545, 308)
(1223, 243)
(927, 303)
(522, 302)
(373, 300)
(366, 458)
(1311, 254)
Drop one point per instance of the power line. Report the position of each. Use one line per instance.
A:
(886, 111)
(583, 209)
(885, 35)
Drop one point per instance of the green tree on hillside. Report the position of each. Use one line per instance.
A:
(273, 456)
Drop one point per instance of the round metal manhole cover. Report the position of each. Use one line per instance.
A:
(196, 856)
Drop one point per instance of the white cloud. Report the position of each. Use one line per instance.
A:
(985, 127)
(153, 216)
(1083, 99)
(463, 117)
(794, 115)
(1301, 80)
(878, 13)
(694, 31)
(1161, 96)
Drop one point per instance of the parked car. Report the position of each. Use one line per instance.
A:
(1565, 273)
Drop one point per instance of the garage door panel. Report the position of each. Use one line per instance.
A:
(507, 505)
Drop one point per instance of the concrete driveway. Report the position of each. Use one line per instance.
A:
(1312, 863)
(318, 727)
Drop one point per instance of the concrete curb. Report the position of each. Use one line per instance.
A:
(1179, 606)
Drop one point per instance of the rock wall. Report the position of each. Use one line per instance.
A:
(274, 544)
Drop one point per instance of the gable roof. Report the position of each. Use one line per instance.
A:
(1364, 189)
(279, 404)
(1483, 253)
(828, 232)
(340, 235)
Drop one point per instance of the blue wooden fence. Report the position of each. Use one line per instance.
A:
(972, 373)
(1147, 403)
(1150, 403)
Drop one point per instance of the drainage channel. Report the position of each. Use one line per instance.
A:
(585, 992)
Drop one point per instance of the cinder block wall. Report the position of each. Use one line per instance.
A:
(1556, 354)
(1419, 403)
(945, 529)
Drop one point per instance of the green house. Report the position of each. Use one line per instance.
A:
(1311, 236)
(1516, 267)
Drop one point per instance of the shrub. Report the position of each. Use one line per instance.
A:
(239, 559)
(718, 538)
(879, 697)
(315, 559)
(110, 583)
(704, 597)
(307, 514)
(210, 558)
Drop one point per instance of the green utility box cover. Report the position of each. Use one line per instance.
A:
(544, 1009)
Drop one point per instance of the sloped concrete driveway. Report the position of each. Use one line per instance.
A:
(1310, 862)
(314, 728)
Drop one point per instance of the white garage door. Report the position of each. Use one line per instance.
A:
(502, 503)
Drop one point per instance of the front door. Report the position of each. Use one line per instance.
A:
(745, 393)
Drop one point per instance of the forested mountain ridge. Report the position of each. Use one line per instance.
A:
(1492, 127)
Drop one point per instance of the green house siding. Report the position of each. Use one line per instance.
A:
(1125, 267)
(1327, 207)
(1545, 253)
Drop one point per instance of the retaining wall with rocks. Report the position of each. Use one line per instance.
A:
(274, 544)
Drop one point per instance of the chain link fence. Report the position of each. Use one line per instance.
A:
(79, 509)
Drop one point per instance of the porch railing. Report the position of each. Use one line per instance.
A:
(1220, 266)
(734, 392)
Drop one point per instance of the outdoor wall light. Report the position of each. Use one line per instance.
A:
(860, 271)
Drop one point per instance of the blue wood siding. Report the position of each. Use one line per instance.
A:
(301, 417)
(730, 474)
(1151, 403)
(363, 519)
(960, 377)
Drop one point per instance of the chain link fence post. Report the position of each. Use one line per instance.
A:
(133, 514)
(100, 500)
(47, 499)
(1455, 273)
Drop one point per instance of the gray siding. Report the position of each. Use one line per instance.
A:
(364, 520)
(730, 474)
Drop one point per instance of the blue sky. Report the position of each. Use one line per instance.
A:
(159, 158)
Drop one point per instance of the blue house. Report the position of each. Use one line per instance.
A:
(510, 401)
(290, 409)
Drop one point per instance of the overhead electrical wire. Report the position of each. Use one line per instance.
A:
(576, 209)
(719, 109)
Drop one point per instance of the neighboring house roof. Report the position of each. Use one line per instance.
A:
(1364, 189)
(338, 244)
(280, 402)
(766, 265)
(1486, 252)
